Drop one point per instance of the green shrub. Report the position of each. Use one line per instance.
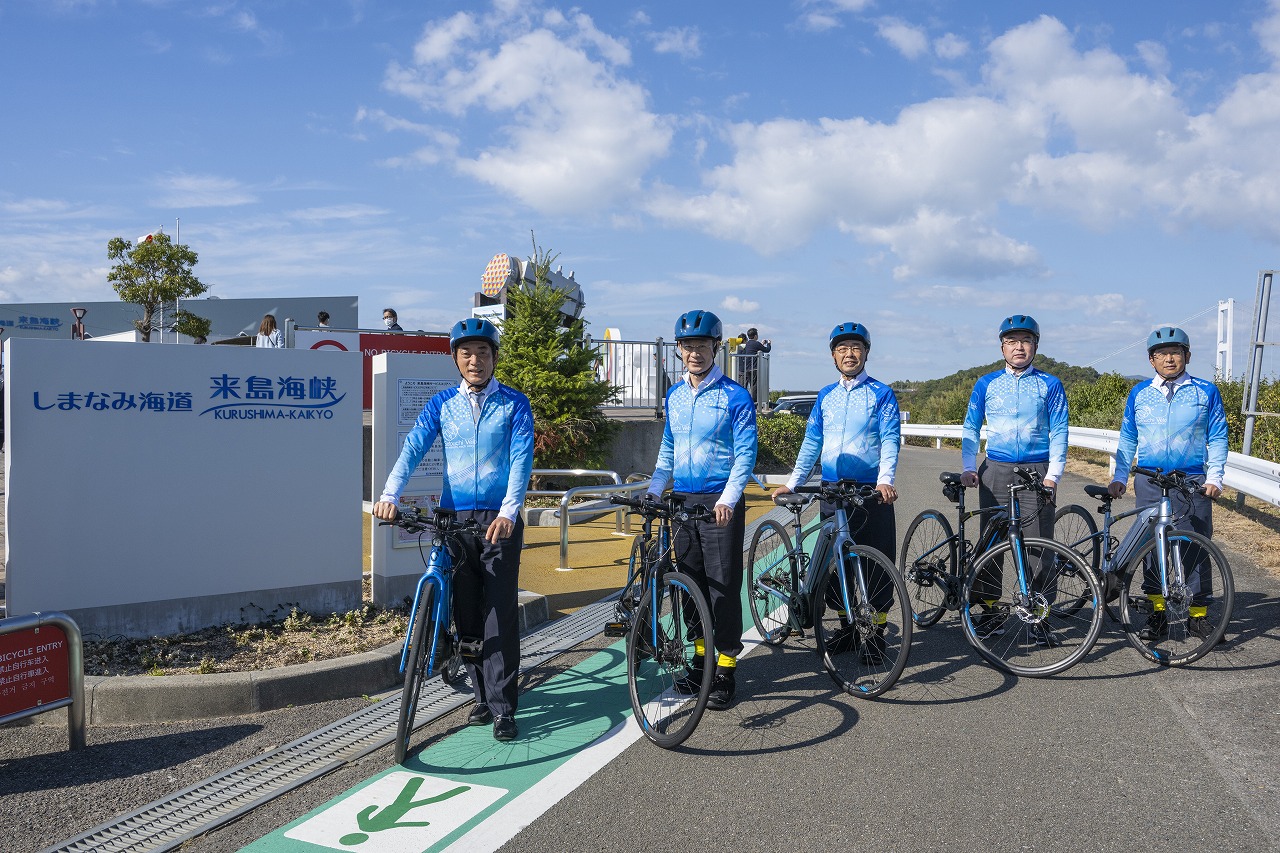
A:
(780, 438)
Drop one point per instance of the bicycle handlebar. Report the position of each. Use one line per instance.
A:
(843, 491)
(1173, 480)
(416, 519)
(671, 509)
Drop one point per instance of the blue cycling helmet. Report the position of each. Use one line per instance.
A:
(1020, 323)
(473, 329)
(699, 324)
(847, 332)
(1166, 335)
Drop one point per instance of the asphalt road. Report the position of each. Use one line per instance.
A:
(1113, 755)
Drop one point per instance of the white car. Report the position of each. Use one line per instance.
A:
(795, 404)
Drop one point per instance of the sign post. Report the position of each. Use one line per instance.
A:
(42, 669)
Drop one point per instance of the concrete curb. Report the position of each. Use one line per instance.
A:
(131, 699)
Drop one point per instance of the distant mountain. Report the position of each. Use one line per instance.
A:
(944, 401)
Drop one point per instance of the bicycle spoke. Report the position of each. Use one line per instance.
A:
(769, 562)
(863, 643)
(928, 562)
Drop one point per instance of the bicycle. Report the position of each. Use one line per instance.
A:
(1157, 572)
(1038, 622)
(663, 612)
(431, 642)
(860, 616)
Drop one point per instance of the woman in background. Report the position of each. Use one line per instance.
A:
(268, 335)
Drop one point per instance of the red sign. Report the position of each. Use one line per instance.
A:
(34, 669)
(377, 342)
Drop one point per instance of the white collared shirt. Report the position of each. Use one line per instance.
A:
(477, 398)
(1164, 384)
(849, 384)
(708, 379)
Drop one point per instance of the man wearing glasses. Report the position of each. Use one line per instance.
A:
(707, 454)
(1026, 414)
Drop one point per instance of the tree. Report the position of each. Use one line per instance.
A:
(155, 273)
(548, 362)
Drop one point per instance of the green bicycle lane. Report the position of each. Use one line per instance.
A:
(470, 792)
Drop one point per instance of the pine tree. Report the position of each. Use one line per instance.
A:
(548, 362)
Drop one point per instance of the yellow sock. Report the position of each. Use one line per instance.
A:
(726, 662)
(700, 648)
(1157, 601)
(1197, 612)
(882, 618)
(988, 602)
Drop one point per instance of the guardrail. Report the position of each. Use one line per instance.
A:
(1258, 478)
(622, 523)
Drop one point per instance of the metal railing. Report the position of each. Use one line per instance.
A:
(644, 370)
(1248, 475)
(622, 523)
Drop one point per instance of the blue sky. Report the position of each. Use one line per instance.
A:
(924, 167)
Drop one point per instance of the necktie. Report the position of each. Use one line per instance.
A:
(1168, 390)
(475, 406)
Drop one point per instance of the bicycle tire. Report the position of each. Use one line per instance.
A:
(772, 571)
(666, 716)
(415, 671)
(1074, 527)
(864, 653)
(1179, 646)
(929, 554)
(1035, 635)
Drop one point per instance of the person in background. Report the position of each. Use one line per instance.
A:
(390, 320)
(750, 355)
(269, 335)
(200, 339)
(322, 319)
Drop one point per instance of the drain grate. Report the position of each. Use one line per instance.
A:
(167, 823)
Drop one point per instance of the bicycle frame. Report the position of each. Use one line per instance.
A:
(833, 535)
(439, 574)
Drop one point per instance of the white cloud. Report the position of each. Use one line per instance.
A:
(576, 135)
(682, 41)
(183, 191)
(744, 306)
(911, 42)
(950, 46)
(936, 243)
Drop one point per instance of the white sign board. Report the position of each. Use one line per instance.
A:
(152, 490)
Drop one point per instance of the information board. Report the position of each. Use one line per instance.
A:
(34, 669)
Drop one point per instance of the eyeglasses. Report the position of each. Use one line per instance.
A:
(849, 349)
(1017, 342)
(702, 348)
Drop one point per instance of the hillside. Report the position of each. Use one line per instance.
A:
(943, 401)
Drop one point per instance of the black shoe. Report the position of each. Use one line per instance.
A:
(872, 651)
(1044, 637)
(480, 716)
(1156, 629)
(990, 623)
(1200, 627)
(689, 682)
(504, 727)
(722, 689)
(843, 640)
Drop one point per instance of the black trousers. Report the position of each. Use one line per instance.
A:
(1196, 515)
(712, 556)
(486, 595)
(993, 490)
(875, 525)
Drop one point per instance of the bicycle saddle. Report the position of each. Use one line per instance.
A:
(949, 478)
(1099, 492)
(792, 500)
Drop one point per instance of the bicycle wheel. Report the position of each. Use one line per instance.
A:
(770, 562)
(1033, 633)
(1185, 625)
(415, 670)
(929, 562)
(863, 643)
(660, 654)
(1074, 527)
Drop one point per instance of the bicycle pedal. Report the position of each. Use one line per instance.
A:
(616, 629)
(471, 649)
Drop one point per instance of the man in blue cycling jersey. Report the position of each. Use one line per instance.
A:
(486, 430)
(707, 454)
(855, 428)
(1175, 422)
(1025, 410)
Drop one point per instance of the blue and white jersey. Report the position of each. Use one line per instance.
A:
(709, 441)
(1026, 417)
(487, 459)
(856, 430)
(1187, 433)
